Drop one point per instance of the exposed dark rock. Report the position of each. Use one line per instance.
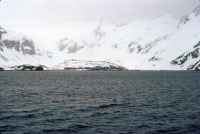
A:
(110, 68)
(25, 46)
(185, 56)
(39, 68)
(195, 53)
(195, 67)
(98, 68)
(1, 46)
(183, 20)
(10, 44)
(139, 49)
(190, 55)
(196, 11)
(28, 47)
(135, 46)
(115, 46)
(28, 68)
(180, 60)
(74, 48)
(1, 69)
(69, 45)
(153, 43)
(62, 44)
(98, 32)
(154, 58)
(197, 45)
(132, 46)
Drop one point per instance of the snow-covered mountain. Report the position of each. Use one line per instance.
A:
(128, 45)
(17, 49)
(159, 44)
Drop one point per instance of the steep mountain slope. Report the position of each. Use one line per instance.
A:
(189, 56)
(128, 45)
(157, 44)
(16, 49)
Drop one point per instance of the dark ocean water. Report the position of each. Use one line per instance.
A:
(99, 102)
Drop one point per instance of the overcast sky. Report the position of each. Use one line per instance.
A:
(87, 10)
(29, 14)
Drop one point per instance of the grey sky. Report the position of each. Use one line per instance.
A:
(87, 10)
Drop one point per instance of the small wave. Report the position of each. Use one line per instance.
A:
(193, 128)
(71, 129)
(188, 129)
(143, 126)
(6, 128)
(24, 116)
(108, 106)
(166, 130)
(25, 110)
(55, 120)
(99, 114)
(104, 106)
(61, 130)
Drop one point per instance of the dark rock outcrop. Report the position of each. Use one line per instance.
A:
(28, 47)
(195, 67)
(29, 68)
(97, 68)
(196, 11)
(185, 56)
(153, 59)
(24, 45)
(197, 45)
(132, 46)
(12, 44)
(1, 69)
(69, 45)
(185, 19)
(194, 55)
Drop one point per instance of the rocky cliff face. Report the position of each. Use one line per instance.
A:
(22, 45)
(69, 46)
(16, 49)
(188, 56)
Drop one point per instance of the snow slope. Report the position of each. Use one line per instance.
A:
(127, 45)
(17, 49)
(148, 45)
